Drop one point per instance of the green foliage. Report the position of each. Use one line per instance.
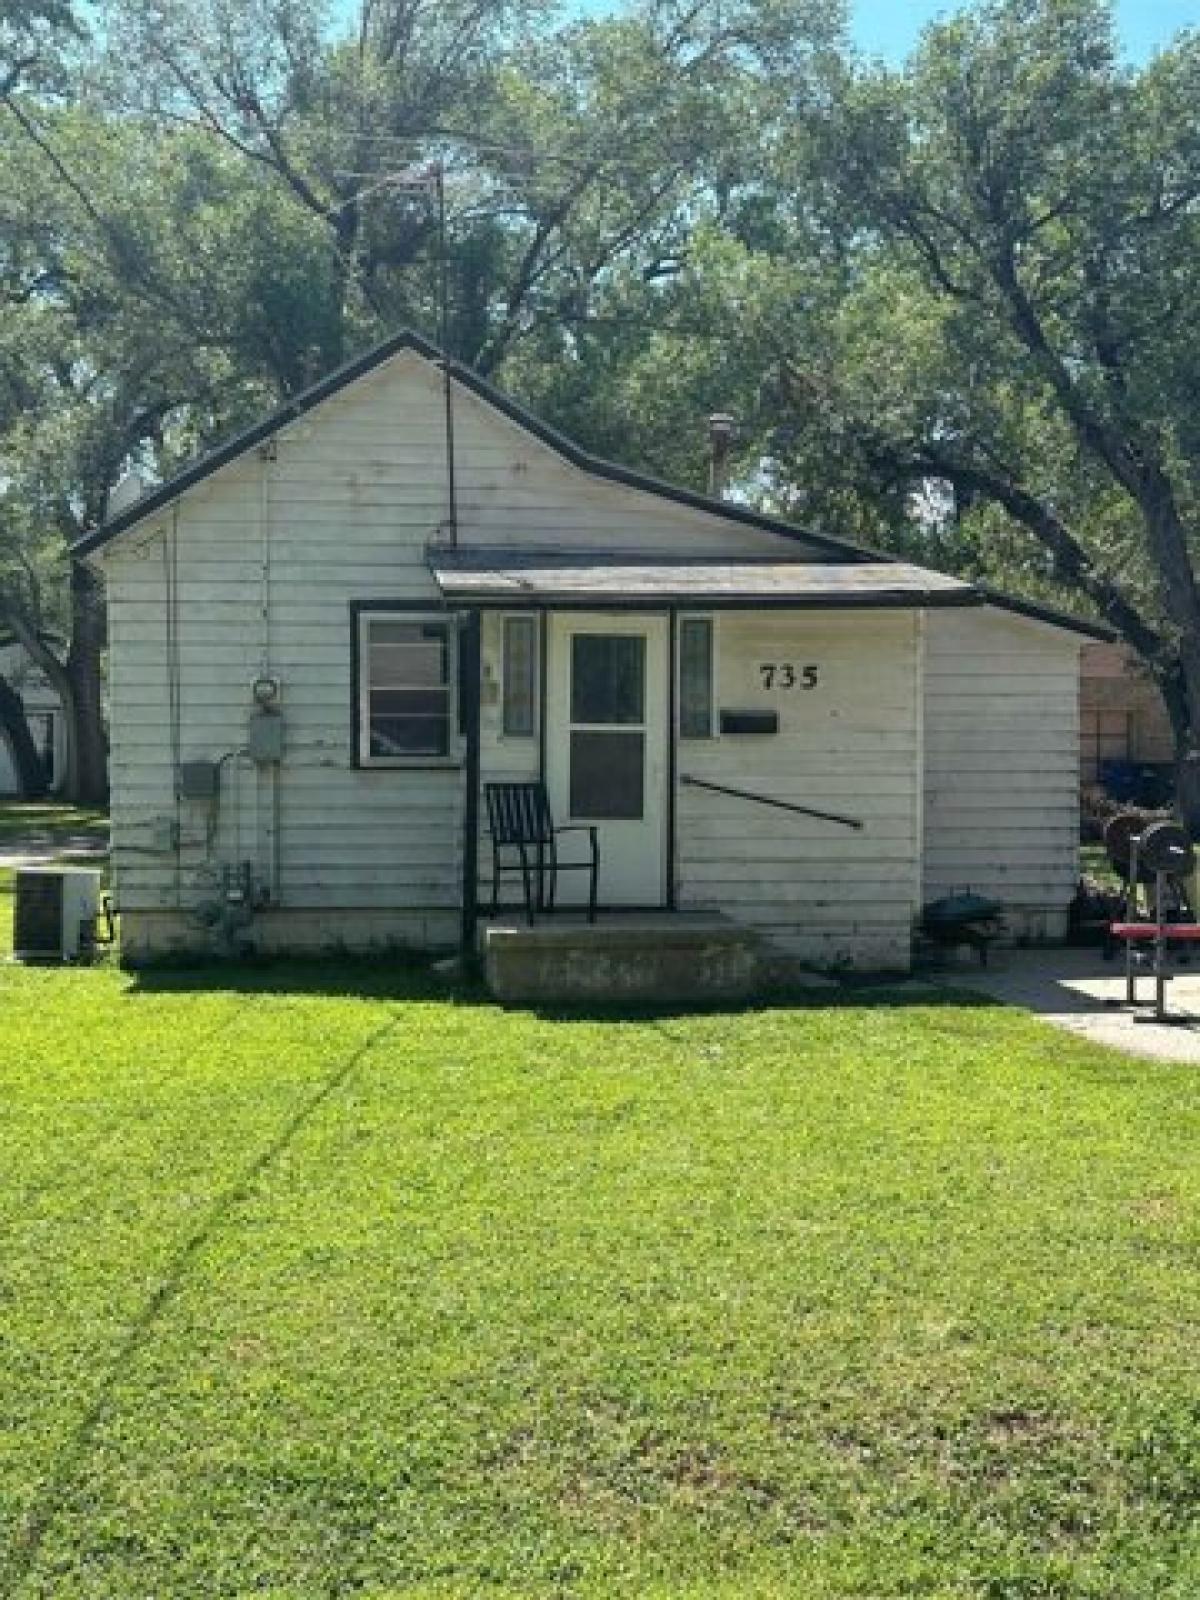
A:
(213, 219)
(217, 204)
(1018, 324)
(953, 307)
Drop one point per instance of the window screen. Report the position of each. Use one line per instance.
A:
(520, 677)
(406, 687)
(695, 677)
(608, 678)
(608, 753)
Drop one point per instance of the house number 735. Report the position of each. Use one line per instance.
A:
(786, 675)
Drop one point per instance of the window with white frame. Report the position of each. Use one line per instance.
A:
(519, 668)
(696, 675)
(406, 688)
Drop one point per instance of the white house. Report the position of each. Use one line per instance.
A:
(329, 634)
(43, 713)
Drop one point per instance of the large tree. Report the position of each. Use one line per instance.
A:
(1006, 322)
(156, 293)
(956, 308)
(219, 201)
(36, 37)
(569, 149)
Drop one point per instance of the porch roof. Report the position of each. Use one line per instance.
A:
(509, 578)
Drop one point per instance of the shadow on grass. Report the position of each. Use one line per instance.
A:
(402, 978)
(68, 1466)
(846, 997)
(416, 981)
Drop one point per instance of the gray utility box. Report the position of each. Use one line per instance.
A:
(197, 780)
(264, 736)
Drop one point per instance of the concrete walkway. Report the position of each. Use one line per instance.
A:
(1079, 991)
(80, 850)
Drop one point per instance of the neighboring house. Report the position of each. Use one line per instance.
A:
(43, 712)
(414, 632)
(1121, 713)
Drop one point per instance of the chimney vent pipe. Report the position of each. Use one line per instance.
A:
(720, 438)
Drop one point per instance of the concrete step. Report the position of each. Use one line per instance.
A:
(649, 958)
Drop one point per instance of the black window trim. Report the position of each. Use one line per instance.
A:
(360, 612)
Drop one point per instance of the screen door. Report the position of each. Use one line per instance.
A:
(606, 752)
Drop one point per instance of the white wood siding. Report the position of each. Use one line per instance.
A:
(1002, 763)
(823, 893)
(348, 507)
(345, 512)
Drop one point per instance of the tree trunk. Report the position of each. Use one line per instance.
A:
(14, 730)
(88, 770)
(1187, 789)
(76, 681)
(1171, 680)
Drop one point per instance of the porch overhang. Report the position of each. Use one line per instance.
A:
(508, 579)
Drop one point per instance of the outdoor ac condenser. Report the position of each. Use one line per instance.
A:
(55, 913)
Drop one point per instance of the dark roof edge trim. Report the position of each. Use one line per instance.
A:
(1037, 612)
(894, 600)
(345, 375)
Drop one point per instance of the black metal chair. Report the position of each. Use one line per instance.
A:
(519, 819)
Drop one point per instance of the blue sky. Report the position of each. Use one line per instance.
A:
(888, 28)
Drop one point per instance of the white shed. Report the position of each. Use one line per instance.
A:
(331, 635)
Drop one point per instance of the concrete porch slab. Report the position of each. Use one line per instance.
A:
(638, 958)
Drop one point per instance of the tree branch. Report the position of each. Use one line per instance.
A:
(129, 263)
(31, 641)
(1104, 440)
(1073, 565)
(12, 77)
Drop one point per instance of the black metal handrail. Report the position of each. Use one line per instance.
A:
(768, 800)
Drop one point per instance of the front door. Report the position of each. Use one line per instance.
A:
(606, 750)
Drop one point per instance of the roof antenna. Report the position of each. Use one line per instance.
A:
(720, 438)
(431, 180)
(439, 179)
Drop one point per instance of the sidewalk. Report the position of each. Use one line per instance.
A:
(1081, 992)
(41, 850)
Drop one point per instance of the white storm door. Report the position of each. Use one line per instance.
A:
(606, 751)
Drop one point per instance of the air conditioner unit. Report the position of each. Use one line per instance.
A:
(55, 913)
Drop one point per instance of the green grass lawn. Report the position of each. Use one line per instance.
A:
(321, 1282)
(50, 823)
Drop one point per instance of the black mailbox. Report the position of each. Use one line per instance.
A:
(749, 721)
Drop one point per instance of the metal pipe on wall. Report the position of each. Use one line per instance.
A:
(174, 680)
(268, 455)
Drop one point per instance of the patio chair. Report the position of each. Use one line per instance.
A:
(520, 821)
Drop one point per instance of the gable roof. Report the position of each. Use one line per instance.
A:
(228, 451)
(409, 341)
